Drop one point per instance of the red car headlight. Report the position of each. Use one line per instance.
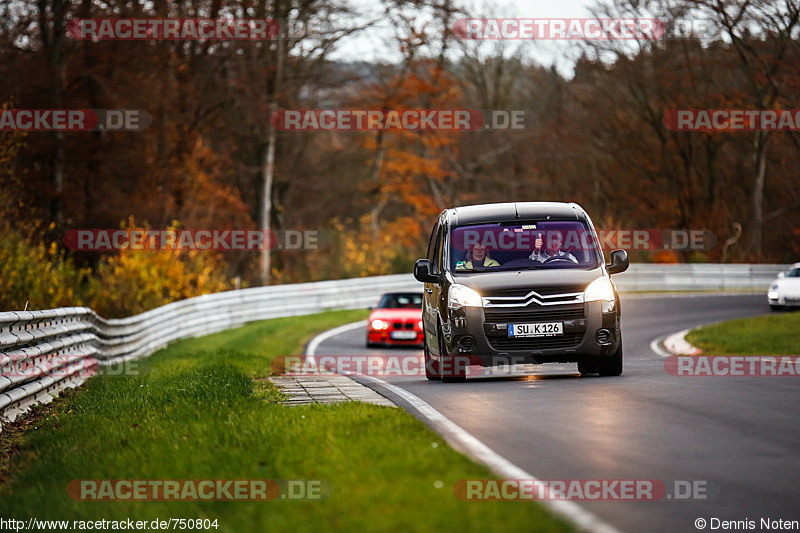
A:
(379, 325)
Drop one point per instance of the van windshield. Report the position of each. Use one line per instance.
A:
(533, 245)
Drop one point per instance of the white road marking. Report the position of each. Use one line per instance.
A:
(311, 349)
(655, 345)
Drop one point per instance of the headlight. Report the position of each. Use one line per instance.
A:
(378, 325)
(773, 293)
(460, 296)
(600, 289)
(419, 324)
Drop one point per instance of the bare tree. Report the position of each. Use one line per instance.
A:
(763, 33)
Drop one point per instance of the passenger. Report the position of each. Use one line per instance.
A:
(553, 252)
(480, 257)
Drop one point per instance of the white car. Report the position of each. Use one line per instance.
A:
(785, 290)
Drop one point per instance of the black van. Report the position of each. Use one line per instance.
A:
(517, 283)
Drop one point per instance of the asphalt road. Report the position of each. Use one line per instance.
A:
(738, 435)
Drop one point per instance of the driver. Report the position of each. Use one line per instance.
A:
(479, 256)
(553, 252)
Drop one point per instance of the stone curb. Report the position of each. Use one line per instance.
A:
(328, 389)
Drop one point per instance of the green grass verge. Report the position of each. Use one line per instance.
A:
(775, 334)
(201, 412)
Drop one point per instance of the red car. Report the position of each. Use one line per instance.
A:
(396, 320)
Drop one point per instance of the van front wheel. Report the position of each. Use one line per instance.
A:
(449, 369)
(611, 366)
(431, 366)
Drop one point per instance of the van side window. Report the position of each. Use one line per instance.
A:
(437, 250)
(432, 240)
(440, 247)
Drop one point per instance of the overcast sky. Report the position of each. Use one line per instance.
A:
(372, 45)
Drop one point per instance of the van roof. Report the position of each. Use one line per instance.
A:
(475, 214)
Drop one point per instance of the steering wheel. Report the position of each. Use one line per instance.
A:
(554, 258)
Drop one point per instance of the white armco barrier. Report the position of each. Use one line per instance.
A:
(42, 352)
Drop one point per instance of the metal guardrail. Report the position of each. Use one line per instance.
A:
(43, 352)
(697, 276)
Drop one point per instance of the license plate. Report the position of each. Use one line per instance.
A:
(404, 335)
(544, 329)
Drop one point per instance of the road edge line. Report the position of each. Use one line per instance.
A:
(312, 345)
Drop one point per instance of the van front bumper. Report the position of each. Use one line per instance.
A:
(591, 330)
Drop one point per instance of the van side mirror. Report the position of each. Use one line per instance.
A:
(422, 271)
(781, 275)
(619, 262)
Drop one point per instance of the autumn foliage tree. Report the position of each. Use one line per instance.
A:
(595, 136)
